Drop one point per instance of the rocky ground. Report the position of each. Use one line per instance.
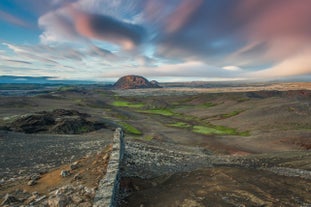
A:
(52, 170)
(162, 174)
(72, 184)
(24, 154)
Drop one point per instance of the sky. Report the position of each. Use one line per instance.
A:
(167, 40)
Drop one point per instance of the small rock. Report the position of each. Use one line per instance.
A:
(35, 193)
(85, 204)
(29, 200)
(21, 195)
(76, 199)
(40, 199)
(21, 172)
(77, 176)
(74, 166)
(35, 177)
(105, 157)
(136, 188)
(9, 199)
(43, 171)
(32, 182)
(58, 201)
(65, 173)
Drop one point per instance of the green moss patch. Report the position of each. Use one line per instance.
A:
(217, 130)
(127, 104)
(148, 138)
(130, 129)
(231, 114)
(180, 125)
(209, 104)
(163, 112)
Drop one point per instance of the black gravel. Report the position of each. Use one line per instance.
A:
(22, 154)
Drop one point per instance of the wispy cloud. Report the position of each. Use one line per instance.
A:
(19, 61)
(13, 19)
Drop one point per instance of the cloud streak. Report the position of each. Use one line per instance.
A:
(13, 19)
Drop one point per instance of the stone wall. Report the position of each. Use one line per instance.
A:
(108, 189)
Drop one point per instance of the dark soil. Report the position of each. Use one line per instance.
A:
(218, 187)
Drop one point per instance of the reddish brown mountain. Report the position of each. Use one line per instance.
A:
(134, 82)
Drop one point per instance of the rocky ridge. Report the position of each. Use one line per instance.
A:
(58, 121)
(135, 82)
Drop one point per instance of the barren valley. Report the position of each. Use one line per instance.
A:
(218, 146)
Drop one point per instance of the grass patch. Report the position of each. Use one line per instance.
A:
(148, 138)
(84, 129)
(180, 125)
(163, 112)
(127, 104)
(145, 138)
(79, 102)
(66, 88)
(209, 104)
(243, 100)
(130, 129)
(245, 133)
(218, 130)
(189, 118)
(231, 114)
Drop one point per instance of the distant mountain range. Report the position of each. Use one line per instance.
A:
(45, 80)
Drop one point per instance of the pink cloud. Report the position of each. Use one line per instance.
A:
(299, 64)
(283, 28)
(69, 23)
(282, 23)
(182, 14)
(83, 25)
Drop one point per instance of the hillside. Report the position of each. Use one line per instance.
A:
(135, 82)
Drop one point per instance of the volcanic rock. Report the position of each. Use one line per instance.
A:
(59, 121)
(135, 82)
(65, 173)
(9, 199)
(59, 201)
(32, 182)
(32, 123)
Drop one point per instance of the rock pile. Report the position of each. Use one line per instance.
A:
(68, 195)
